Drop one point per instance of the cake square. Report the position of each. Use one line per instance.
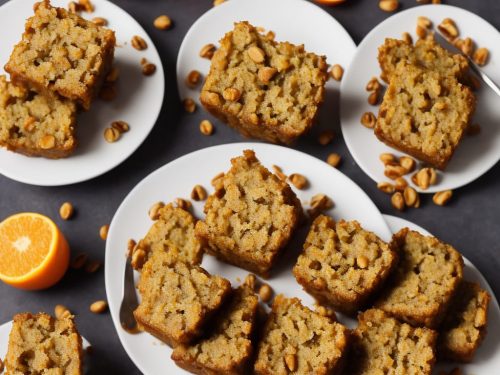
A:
(425, 114)
(382, 345)
(63, 53)
(464, 327)
(36, 125)
(250, 217)
(226, 347)
(342, 264)
(177, 299)
(425, 280)
(41, 344)
(262, 88)
(296, 340)
(172, 233)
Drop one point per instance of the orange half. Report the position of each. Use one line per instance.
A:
(33, 252)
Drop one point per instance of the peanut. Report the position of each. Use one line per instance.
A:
(231, 94)
(162, 22)
(424, 22)
(407, 38)
(398, 201)
(189, 105)
(206, 127)
(154, 210)
(47, 142)
(111, 135)
(411, 196)
(265, 293)
(373, 98)
(299, 181)
(337, 72)
(387, 158)
(400, 184)
(448, 28)
(279, 172)
(207, 51)
(388, 5)
(368, 120)
(266, 74)
(480, 57)
(139, 43)
(442, 197)
(121, 126)
(98, 307)
(148, 69)
(373, 85)
(256, 54)
(291, 362)
(99, 21)
(407, 163)
(193, 78)
(103, 232)
(386, 187)
(199, 193)
(394, 171)
(334, 160)
(326, 137)
(66, 211)
(61, 311)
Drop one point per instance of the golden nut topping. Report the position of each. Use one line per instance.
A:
(424, 178)
(103, 232)
(73, 7)
(373, 85)
(481, 56)
(206, 127)
(326, 137)
(198, 193)
(98, 307)
(387, 158)
(210, 98)
(388, 5)
(79, 261)
(373, 98)
(467, 46)
(266, 74)
(92, 266)
(29, 123)
(398, 201)
(183, 203)
(270, 35)
(113, 74)
(154, 210)
(424, 22)
(362, 261)
(448, 28)
(368, 120)
(473, 129)
(250, 281)
(218, 2)
(138, 43)
(299, 181)
(407, 38)
(265, 293)
(256, 54)
(407, 163)
(386, 187)
(411, 196)
(217, 179)
(207, 51)
(400, 184)
(66, 211)
(148, 69)
(394, 171)
(99, 21)
(130, 247)
(61, 312)
(138, 259)
(279, 172)
(337, 72)
(334, 159)
(121, 126)
(231, 94)
(193, 78)
(86, 5)
(421, 32)
(162, 22)
(291, 362)
(47, 142)
(111, 135)
(189, 105)
(442, 197)
(319, 203)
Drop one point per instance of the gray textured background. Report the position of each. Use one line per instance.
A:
(470, 222)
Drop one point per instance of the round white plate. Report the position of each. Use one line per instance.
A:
(487, 358)
(138, 102)
(321, 34)
(177, 179)
(475, 155)
(4, 342)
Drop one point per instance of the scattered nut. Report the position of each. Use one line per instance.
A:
(270, 35)
(207, 51)
(162, 22)
(199, 193)
(442, 197)
(407, 163)
(113, 74)
(148, 69)
(337, 72)
(266, 74)
(61, 311)
(319, 203)
(411, 196)
(326, 137)
(465, 45)
(368, 120)
(279, 172)
(138, 43)
(183, 203)
(407, 38)
(398, 201)
(421, 32)
(154, 210)
(121, 126)
(98, 307)
(103, 232)
(29, 123)
(47, 142)
(218, 2)
(362, 261)
(66, 211)
(394, 171)
(373, 85)
(111, 135)
(387, 158)
(386, 187)
(193, 78)
(299, 181)
(481, 56)
(86, 5)
(473, 129)
(189, 105)
(448, 28)
(99, 21)
(73, 7)
(130, 247)
(256, 54)
(206, 127)
(138, 258)
(424, 22)
(291, 362)
(400, 184)
(250, 281)
(79, 261)
(216, 179)
(231, 94)
(92, 266)
(265, 293)
(210, 98)
(388, 5)
(424, 178)
(373, 98)
(334, 160)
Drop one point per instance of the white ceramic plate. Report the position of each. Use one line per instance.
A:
(4, 343)
(487, 359)
(320, 34)
(138, 102)
(177, 179)
(475, 155)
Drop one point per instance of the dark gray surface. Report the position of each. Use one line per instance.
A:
(470, 222)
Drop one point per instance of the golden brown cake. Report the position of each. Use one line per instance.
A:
(41, 344)
(226, 347)
(342, 264)
(63, 53)
(384, 346)
(425, 280)
(464, 326)
(425, 114)
(250, 217)
(36, 125)
(264, 89)
(297, 340)
(177, 299)
(173, 233)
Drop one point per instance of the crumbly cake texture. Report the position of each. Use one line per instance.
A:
(177, 299)
(279, 97)
(382, 345)
(227, 347)
(250, 217)
(36, 125)
(425, 280)
(173, 233)
(464, 326)
(314, 343)
(61, 52)
(425, 53)
(342, 264)
(41, 344)
(425, 114)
